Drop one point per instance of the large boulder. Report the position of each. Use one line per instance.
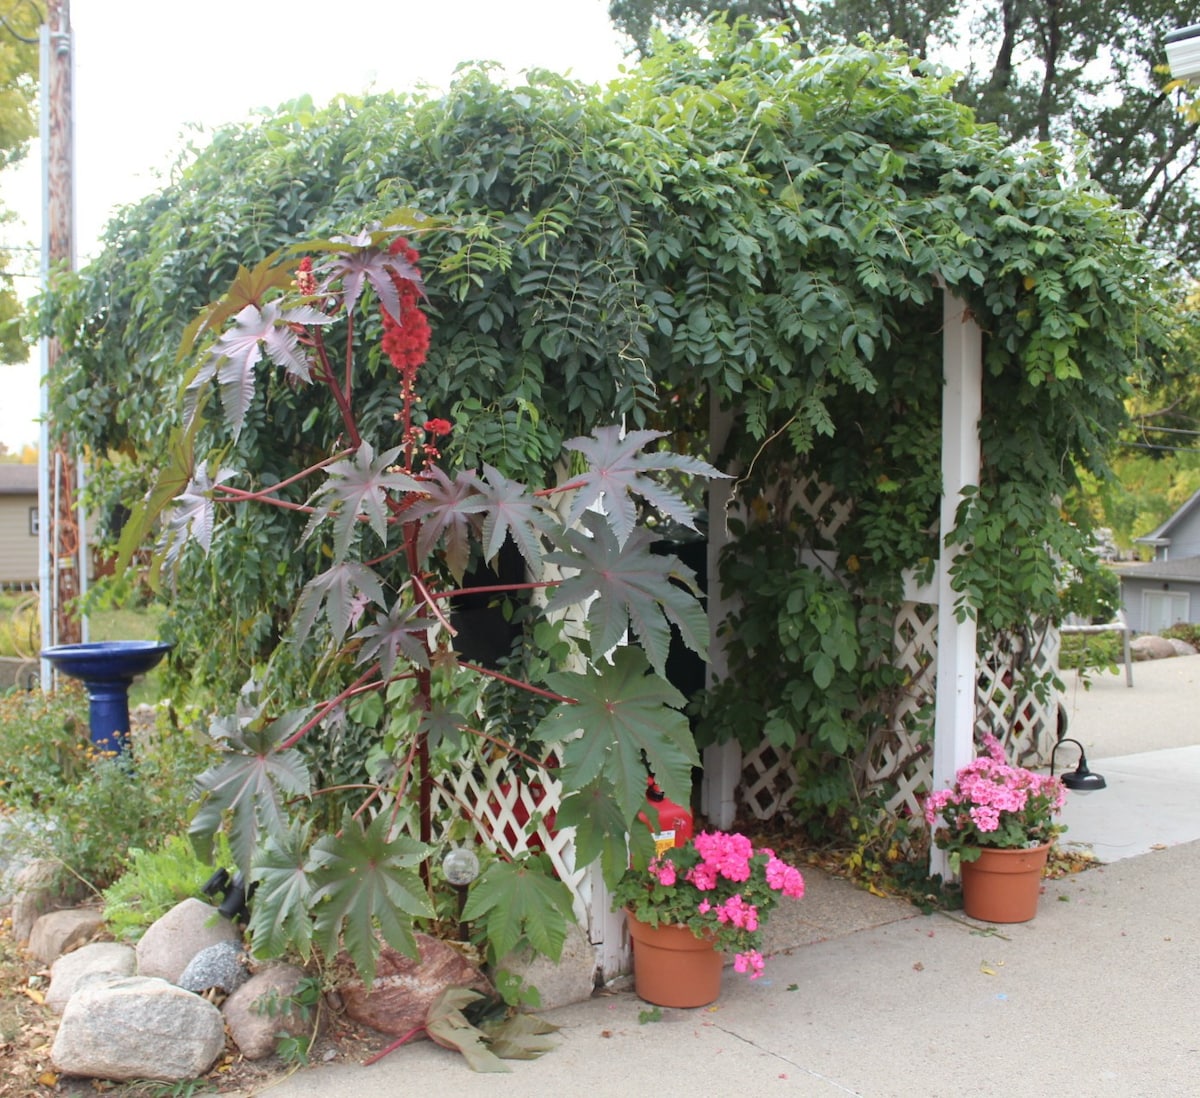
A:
(58, 932)
(1150, 647)
(263, 1010)
(570, 979)
(137, 1028)
(36, 890)
(172, 941)
(100, 958)
(404, 989)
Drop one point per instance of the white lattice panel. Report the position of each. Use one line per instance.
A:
(501, 806)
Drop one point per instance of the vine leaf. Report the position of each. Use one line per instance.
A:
(341, 590)
(617, 473)
(448, 509)
(359, 485)
(248, 783)
(517, 900)
(510, 511)
(235, 354)
(635, 590)
(279, 917)
(623, 711)
(365, 878)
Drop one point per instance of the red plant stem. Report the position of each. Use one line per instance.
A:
(327, 707)
(393, 1046)
(493, 589)
(518, 683)
(326, 375)
(428, 598)
(241, 494)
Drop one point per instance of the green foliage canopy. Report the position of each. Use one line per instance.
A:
(741, 224)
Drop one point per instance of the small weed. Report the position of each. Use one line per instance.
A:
(654, 1014)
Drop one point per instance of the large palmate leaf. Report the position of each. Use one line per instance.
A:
(448, 512)
(343, 590)
(601, 829)
(366, 261)
(618, 471)
(279, 917)
(399, 632)
(249, 782)
(359, 486)
(516, 900)
(634, 589)
(511, 511)
(239, 350)
(621, 711)
(365, 878)
(486, 1034)
(192, 513)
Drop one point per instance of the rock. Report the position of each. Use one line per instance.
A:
(223, 965)
(404, 989)
(1150, 647)
(1182, 648)
(70, 970)
(173, 940)
(58, 932)
(570, 979)
(138, 1028)
(260, 1011)
(35, 891)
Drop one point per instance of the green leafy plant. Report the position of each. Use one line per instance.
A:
(396, 534)
(83, 809)
(157, 879)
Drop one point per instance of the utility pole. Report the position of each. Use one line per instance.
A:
(62, 574)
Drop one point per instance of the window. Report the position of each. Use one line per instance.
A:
(33, 522)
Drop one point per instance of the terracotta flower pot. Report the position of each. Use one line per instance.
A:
(1003, 886)
(672, 967)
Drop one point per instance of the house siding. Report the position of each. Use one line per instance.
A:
(18, 540)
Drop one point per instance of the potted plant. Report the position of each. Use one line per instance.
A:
(695, 902)
(997, 824)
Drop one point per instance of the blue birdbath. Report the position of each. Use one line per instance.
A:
(107, 669)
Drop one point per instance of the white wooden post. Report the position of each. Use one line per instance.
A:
(723, 761)
(954, 720)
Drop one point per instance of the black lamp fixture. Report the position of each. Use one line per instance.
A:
(1081, 779)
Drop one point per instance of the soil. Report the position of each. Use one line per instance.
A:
(27, 1029)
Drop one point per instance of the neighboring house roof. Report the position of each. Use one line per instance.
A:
(1181, 571)
(1162, 536)
(18, 480)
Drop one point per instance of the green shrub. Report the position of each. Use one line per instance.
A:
(156, 881)
(1186, 631)
(1095, 650)
(83, 810)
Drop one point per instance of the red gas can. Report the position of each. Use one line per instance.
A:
(671, 823)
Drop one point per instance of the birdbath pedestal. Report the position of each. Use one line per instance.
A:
(107, 669)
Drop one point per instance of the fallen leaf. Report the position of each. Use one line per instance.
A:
(987, 971)
(36, 996)
(918, 967)
(48, 1079)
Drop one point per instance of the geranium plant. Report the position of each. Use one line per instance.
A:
(719, 886)
(994, 804)
(395, 528)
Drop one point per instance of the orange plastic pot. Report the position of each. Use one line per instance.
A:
(672, 967)
(1003, 886)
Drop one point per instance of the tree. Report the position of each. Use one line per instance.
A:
(1043, 70)
(19, 21)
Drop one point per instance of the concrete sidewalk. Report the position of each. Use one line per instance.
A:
(1096, 997)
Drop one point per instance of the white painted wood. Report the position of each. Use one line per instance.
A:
(722, 762)
(954, 721)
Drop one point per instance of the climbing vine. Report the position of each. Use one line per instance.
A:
(737, 225)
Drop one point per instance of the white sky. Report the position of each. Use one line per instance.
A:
(148, 70)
